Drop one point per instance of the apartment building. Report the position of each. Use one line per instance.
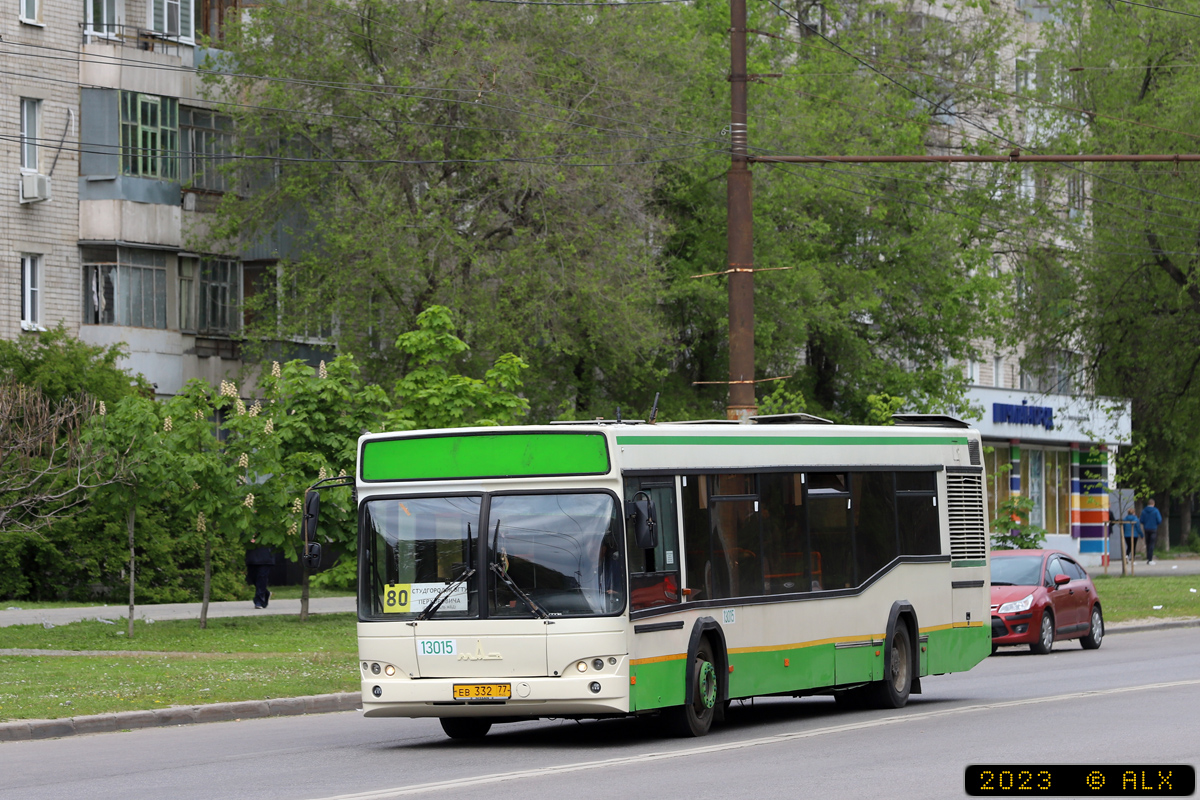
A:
(112, 159)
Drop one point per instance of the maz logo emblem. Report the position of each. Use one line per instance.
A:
(478, 655)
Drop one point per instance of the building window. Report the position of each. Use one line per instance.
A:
(31, 123)
(31, 11)
(220, 296)
(207, 143)
(102, 17)
(149, 136)
(171, 17)
(187, 294)
(31, 292)
(123, 286)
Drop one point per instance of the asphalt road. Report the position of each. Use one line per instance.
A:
(1134, 700)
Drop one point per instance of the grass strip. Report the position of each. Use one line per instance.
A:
(50, 687)
(1135, 597)
(321, 633)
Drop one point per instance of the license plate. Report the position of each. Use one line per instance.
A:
(482, 691)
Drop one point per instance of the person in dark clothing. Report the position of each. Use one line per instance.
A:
(258, 563)
(1151, 519)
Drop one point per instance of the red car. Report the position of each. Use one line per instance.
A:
(1041, 596)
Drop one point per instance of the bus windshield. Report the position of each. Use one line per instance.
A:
(554, 554)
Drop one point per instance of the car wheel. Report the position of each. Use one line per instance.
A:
(1045, 642)
(1095, 634)
(465, 727)
(695, 717)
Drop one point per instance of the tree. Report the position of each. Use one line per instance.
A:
(306, 428)
(883, 275)
(212, 469)
(1131, 304)
(484, 193)
(130, 436)
(62, 366)
(48, 467)
(432, 395)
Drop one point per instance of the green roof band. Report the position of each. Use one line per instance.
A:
(484, 455)
(769, 441)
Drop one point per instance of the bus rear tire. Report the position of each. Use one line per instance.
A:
(465, 727)
(893, 690)
(695, 717)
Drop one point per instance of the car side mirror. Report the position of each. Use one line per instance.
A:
(639, 515)
(312, 512)
(1060, 579)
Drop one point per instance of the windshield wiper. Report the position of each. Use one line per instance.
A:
(499, 569)
(1002, 583)
(444, 595)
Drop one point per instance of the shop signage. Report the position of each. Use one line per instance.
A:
(1023, 415)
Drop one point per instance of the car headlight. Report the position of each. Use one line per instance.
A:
(1017, 605)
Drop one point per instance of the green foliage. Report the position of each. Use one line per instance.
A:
(343, 575)
(432, 395)
(61, 366)
(782, 401)
(1011, 529)
(881, 407)
(478, 202)
(1132, 307)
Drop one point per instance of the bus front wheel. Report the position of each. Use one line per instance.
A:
(695, 717)
(465, 727)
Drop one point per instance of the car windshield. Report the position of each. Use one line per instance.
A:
(537, 554)
(1016, 570)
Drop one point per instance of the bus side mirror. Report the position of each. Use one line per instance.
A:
(312, 513)
(312, 555)
(640, 516)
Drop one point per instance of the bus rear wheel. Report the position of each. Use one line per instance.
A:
(465, 727)
(893, 690)
(695, 717)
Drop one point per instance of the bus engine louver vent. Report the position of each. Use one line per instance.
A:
(968, 527)
(973, 451)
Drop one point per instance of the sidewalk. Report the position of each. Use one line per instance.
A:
(1171, 566)
(231, 608)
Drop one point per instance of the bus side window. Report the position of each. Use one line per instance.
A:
(654, 574)
(916, 502)
(784, 539)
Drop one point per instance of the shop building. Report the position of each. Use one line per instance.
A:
(1055, 449)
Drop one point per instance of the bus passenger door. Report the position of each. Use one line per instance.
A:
(654, 574)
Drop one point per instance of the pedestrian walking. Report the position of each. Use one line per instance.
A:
(1132, 530)
(1151, 519)
(258, 567)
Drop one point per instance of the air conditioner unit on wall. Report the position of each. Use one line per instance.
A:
(35, 188)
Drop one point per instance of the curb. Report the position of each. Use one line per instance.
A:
(1153, 626)
(24, 730)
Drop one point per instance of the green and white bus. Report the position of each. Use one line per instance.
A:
(609, 569)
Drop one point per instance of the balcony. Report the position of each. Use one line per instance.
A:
(132, 37)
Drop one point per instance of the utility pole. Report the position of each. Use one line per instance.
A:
(740, 228)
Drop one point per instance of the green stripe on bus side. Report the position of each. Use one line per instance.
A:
(958, 649)
(659, 684)
(742, 441)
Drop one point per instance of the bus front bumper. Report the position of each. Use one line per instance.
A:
(586, 695)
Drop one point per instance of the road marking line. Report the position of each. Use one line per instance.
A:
(562, 769)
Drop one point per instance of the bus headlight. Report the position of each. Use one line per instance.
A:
(389, 670)
(598, 664)
(581, 666)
